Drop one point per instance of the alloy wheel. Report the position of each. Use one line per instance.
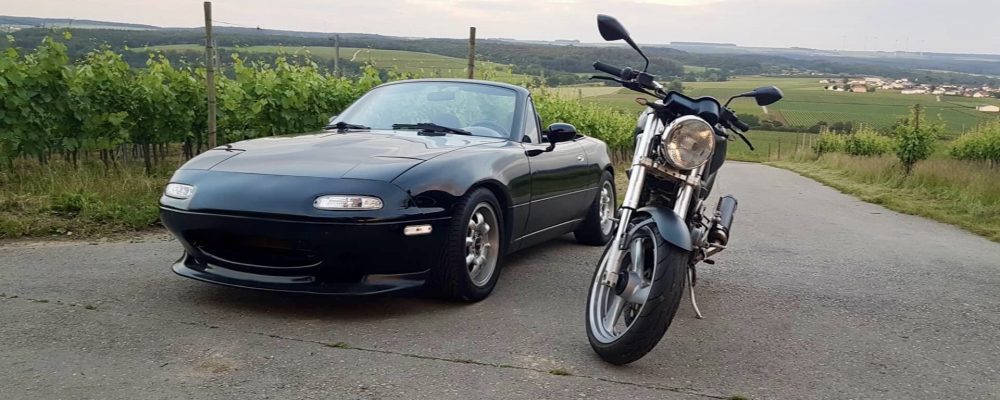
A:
(482, 244)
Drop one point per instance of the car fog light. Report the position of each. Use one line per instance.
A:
(347, 202)
(179, 191)
(414, 230)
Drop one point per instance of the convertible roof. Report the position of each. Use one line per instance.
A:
(520, 90)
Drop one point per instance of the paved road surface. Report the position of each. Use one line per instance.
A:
(820, 296)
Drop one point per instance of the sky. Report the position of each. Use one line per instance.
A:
(958, 26)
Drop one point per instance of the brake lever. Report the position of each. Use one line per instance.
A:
(742, 136)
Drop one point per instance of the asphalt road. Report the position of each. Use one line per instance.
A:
(820, 296)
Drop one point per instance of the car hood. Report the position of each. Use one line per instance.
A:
(377, 155)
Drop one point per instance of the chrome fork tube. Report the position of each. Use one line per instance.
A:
(686, 193)
(637, 178)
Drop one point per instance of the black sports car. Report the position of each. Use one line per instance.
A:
(418, 182)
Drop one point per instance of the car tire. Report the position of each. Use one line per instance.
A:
(470, 265)
(598, 226)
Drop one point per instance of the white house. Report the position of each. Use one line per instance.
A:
(859, 88)
(988, 108)
(914, 91)
(979, 95)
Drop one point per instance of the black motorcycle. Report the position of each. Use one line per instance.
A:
(664, 229)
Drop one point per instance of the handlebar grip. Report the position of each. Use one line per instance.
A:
(610, 69)
(741, 125)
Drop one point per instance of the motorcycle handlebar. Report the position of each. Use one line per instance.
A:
(610, 69)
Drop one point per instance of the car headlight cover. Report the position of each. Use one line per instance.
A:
(179, 191)
(347, 202)
(688, 142)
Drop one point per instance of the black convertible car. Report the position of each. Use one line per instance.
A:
(418, 182)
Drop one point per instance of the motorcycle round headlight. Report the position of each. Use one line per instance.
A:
(688, 142)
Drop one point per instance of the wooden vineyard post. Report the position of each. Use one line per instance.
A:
(472, 52)
(210, 74)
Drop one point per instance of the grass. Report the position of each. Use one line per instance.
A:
(962, 193)
(59, 200)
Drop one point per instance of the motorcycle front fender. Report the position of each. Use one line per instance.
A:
(672, 227)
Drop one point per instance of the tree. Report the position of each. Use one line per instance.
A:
(915, 138)
(751, 120)
(675, 85)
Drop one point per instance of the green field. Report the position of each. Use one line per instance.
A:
(423, 65)
(806, 103)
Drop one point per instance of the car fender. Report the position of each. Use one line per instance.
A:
(672, 228)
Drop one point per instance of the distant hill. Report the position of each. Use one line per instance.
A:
(32, 22)
(547, 58)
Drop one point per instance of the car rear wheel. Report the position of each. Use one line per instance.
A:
(598, 225)
(471, 263)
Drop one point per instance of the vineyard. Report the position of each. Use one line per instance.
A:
(99, 108)
(413, 63)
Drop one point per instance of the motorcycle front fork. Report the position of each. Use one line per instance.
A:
(637, 178)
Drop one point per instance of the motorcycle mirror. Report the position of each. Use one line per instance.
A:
(767, 95)
(612, 30)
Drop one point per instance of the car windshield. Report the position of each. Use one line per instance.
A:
(482, 110)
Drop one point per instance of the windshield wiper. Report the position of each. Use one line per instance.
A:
(343, 126)
(431, 127)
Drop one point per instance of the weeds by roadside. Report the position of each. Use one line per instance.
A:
(57, 199)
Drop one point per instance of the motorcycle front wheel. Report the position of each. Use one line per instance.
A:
(627, 321)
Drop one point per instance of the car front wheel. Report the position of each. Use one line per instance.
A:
(471, 263)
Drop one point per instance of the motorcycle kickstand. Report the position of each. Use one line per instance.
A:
(694, 303)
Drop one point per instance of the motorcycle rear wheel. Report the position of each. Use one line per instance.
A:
(626, 322)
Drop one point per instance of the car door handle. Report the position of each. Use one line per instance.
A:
(579, 157)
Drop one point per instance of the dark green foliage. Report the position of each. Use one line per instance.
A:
(829, 142)
(100, 104)
(915, 138)
(983, 144)
(751, 120)
(867, 142)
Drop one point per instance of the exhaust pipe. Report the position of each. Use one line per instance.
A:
(724, 212)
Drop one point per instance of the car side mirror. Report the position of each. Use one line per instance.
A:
(558, 132)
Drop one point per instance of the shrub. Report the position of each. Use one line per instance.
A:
(867, 142)
(983, 144)
(49, 106)
(829, 142)
(915, 138)
(614, 127)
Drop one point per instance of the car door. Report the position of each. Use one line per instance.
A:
(559, 179)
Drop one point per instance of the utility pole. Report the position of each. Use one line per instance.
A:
(472, 52)
(336, 55)
(210, 74)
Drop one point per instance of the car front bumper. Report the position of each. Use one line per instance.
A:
(306, 256)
